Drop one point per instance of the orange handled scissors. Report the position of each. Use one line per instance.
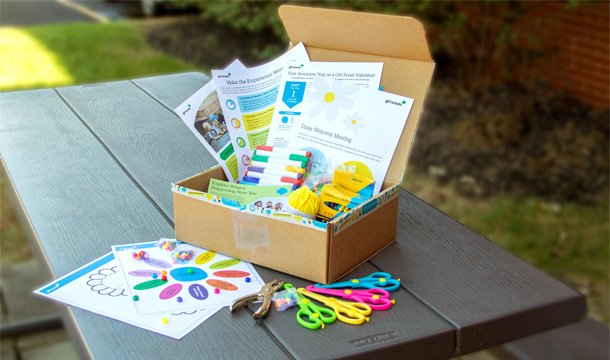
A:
(348, 312)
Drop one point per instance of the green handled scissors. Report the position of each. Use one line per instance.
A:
(354, 313)
(311, 311)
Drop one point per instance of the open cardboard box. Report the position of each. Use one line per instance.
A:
(313, 250)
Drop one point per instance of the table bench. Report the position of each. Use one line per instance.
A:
(91, 166)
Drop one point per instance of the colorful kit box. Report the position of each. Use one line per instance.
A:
(313, 250)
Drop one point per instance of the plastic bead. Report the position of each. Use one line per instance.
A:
(216, 291)
(164, 278)
(136, 298)
(248, 280)
(164, 320)
(154, 275)
(179, 299)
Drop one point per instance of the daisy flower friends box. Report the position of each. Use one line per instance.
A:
(320, 252)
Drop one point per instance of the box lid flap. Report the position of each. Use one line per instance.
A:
(364, 33)
(399, 42)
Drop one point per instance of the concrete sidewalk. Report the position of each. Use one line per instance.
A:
(19, 305)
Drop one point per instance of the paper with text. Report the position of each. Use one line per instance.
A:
(203, 115)
(248, 97)
(296, 85)
(343, 124)
(100, 287)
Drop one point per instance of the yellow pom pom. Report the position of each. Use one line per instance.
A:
(305, 201)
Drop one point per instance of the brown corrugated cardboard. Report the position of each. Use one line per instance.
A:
(327, 252)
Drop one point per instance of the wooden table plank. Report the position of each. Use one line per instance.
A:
(79, 202)
(490, 295)
(147, 139)
(407, 328)
(180, 86)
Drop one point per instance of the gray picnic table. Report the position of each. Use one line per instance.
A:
(91, 166)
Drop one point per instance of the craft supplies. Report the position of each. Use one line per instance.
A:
(264, 295)
(139, 255)
(166, 244)
(285, 299)
(270, 160)
(276, 172)
(316, 315)
(266, 165)
(354, 182)
(181, 256)
(136, 298)
(304, 203)
(280, 155)
(264, 182)
(377, 299)
(349, 312)
(279, 179)
(277, 149)
(335, 200)
(377, 280)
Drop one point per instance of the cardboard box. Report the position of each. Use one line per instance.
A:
(308, 249)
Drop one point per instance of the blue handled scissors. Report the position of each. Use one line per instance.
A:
(316, 315)
(377, 280)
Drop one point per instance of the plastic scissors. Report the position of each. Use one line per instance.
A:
(312, 312)
(377, 299)
(348, 312)
(377, 280)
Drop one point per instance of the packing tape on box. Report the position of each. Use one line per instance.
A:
(251, 232)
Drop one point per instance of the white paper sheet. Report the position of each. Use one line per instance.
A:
(296, 85)
(194, 281)
(352, 125)
(203, 116)
(99, 287)
(248, 97)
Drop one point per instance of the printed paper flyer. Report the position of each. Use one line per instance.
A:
(297, 83)
(100, 287)
(248, 97)
(343, 124)
(268, 197)
(202, 114)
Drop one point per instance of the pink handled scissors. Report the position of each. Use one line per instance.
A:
(377, 299)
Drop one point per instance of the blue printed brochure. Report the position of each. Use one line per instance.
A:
(248, 97)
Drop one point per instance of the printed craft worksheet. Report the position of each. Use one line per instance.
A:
(100, 287)
(344, 124)
(247, 98)
(208, 280)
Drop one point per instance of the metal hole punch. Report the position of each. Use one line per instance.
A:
(263, 295)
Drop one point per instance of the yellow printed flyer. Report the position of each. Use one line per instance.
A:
(248, 97)
(344, 124)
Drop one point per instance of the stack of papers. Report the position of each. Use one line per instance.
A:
(335, 110)
(192, 292)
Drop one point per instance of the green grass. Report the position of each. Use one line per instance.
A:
(81, 53)
(567, 241)
(63, 55)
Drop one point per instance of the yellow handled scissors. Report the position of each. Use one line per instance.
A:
(348, 312)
